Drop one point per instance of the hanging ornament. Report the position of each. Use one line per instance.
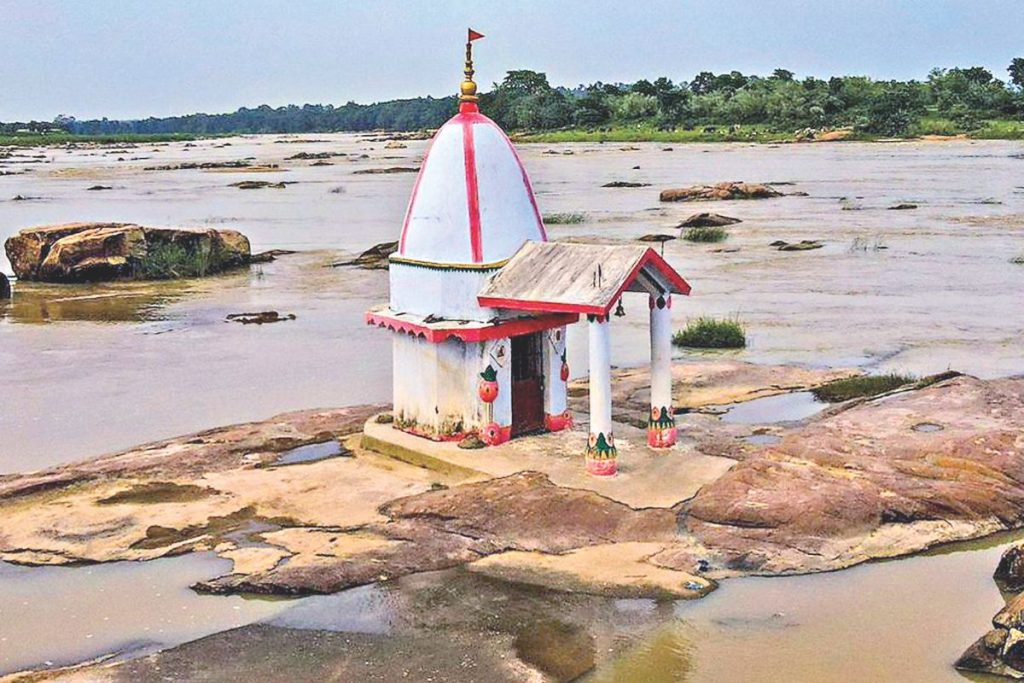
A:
(619, 310)
(488, 387)
(564, 374)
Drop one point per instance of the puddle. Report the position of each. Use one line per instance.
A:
(763, 439)
(928, 427)
(312, 453)
(56, 616)
(782, 408)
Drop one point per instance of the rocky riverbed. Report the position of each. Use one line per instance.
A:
(155, 359)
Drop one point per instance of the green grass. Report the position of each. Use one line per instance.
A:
(711, 333)
(564, 218)
(1000, 130)
(841, 390)
(47, 139)
(705, 234)
(167, 260)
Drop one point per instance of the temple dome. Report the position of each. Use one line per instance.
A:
(472, 202)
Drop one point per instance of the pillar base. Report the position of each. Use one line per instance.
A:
(661, 428)
(495, 435)
(602, 458)
(556, 423)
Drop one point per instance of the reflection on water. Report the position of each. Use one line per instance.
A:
(798, 405)
(35, 303)
(53, 616)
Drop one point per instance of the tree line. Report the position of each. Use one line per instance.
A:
(961, 98)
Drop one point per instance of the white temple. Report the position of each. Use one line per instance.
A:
(480, 301)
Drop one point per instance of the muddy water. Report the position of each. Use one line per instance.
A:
(56, 616)
(87, 370)
(95, 370)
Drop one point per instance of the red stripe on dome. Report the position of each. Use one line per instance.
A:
(472, 188)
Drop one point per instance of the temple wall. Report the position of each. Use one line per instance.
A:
(436, 386)
(445, 293)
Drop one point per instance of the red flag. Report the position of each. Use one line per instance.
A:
(473, 35)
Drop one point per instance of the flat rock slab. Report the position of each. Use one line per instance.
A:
(646, 478)
(617, 570)
(865, 483)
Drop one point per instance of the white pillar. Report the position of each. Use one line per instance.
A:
(556, 374)
(601, 454)
(661, 425)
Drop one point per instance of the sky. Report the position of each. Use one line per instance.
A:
(133, 59)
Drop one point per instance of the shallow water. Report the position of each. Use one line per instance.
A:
(905, 620)
(87, 370)
(798, 405)
(128, 364)
(54, 616)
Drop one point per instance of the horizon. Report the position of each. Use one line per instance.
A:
(177, 58)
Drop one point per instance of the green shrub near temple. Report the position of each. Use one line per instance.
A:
(712, 333)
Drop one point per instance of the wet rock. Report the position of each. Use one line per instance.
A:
(259, 184)
(708, 220)
(471, 442)
(316, 155)
(802, 245)
(23, 198)
(96, 188)
(391, 169)
(5, 287)
(90, 252)
(562, 651)
(374, 258)
(862, 483)
(321, 163)
(395, 144)
(625, 183)
(261, 318)
(270, 255)
(656, 238)
(902, 207)
(242, 163)
(719, 192)
(1010, 571)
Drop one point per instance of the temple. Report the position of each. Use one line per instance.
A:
(480, 301)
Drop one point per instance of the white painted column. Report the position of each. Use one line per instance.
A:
(556, 373)
(661, 426)
(601, 453)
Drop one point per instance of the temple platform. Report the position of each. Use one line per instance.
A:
(647, 477)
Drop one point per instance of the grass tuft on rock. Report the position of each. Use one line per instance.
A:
(705, 234)
(841, 390)
(712, 333)
(564, 218)
(168, 260)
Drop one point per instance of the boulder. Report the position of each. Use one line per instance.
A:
(708, 220)
(374, 258)
(719, 192)
(1010, 572)
(90, 252)
(5, 287)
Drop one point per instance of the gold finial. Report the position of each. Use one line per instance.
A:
(468, 88)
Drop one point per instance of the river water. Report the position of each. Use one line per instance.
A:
(88, 370)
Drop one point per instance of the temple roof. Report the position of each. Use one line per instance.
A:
(578, 278)
(472, 202)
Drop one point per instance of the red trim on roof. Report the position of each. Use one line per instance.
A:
(500, 330)
(650, 257)
(472, 187)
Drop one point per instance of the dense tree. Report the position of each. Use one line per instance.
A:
(961, 98)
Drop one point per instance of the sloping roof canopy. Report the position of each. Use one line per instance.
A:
(578, 278)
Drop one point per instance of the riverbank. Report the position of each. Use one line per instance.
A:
(62, 139)
(756, 133)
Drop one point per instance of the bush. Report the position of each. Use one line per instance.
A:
(167, 260)
(866, 385)
(563, 218)
(711, 333)
(705, 234)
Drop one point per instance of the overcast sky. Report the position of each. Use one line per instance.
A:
(121, 59)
